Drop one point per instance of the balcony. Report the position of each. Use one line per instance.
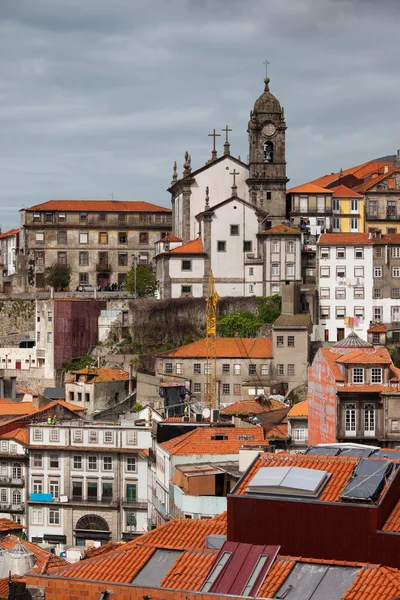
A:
(103, 267)
(12, 508)
(16, 481)
(139, 503)
(159, 506)
(73, 500)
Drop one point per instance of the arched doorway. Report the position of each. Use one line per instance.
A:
(92, 528)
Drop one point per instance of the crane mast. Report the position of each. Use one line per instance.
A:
(211, 346)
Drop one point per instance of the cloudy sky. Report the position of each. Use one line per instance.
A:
(99, 97)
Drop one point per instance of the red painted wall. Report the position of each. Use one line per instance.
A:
(322, 410)
(75, 328)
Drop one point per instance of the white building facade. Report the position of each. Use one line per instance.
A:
(13, 477)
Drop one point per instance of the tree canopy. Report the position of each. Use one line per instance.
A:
(146, 282)
(245, 323)
(58, 276)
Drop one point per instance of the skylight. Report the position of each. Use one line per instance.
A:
(288, 481)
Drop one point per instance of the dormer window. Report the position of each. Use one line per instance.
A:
(376, 373)
(358, 375)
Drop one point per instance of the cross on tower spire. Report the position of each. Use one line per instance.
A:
(214, 151)
(266, 63)
(234, 187)
(226, 145)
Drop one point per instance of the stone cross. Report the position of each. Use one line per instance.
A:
(214, 135)
(226, 129)
(266, 63)
(234, 173)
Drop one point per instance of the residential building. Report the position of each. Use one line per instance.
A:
(243, 368)
(282, 258)
(266, 411)
(291, 335)
(9, 250)
(377, 335)
(13, 475)
(96, 389)
(88, 482)
(351, 387)
(382, 199)
(298, 425)
(386, 282)
(99, 240)
(310, 208)
(345, 283)
(348, 213)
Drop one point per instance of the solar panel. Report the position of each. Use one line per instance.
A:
(364, 488)
(358, 452)
(323, 450)
(373, 467)
(390, 454)
(288, 481)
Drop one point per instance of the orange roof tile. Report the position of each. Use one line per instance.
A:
(277, 575)
(225, 348)
(371, 182)
(69, 405)
(4, 587)
(380, 356)
(299, 410)
(221, 518)
(109, 547)
(252, 407)
(99, 206)
(104, 374)
(373, 388)
(192, 247)
(393, 521)
(308, 188)
(377, 329)
(330, 358)
(359, 171)
(9, 525)
(340, 468)
(10, 407)
(45, 561)
(342, 191)
(281, 230)
(182, 534)
(20, 435)
(9, 233)
(344, 239)
(278, 432)
(190, 570)
(199, 441)
(170, 237)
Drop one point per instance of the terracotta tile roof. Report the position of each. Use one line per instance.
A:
(387, 238)
(281, 230)
(277, 575)
(10, 407)
(393, 521)
(373, 388)
(342, 191)
(377, 329)
(371, 182)
(221, 518)
(19, 435)
(330, 358)
(308, 188)
(104, 374)
(182, 534)
(109, 547)
(340, 468)
(45, 561)
(99, 206)
(380, 356)
(9, 525)
(226, 348)
(192, 247)
(4, 587)
(69, 405)
(190, 570)
(199, 441)
(359, 171)
(9, 233)
(170, 238)
(252, 407)
(344, 239)
(299, 410)
(278, 432)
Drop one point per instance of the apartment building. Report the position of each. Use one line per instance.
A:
(386, 282)
(13, 475)
(282, 258)
(87, 482)
(99, 240)
(96, 389)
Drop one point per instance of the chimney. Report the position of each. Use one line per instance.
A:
(248, 454)
(13, 388)
(130, 389)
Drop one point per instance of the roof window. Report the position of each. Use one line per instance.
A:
(288, 481)
(216, 571)
(219, 437)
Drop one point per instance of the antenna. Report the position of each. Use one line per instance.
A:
(111, 195)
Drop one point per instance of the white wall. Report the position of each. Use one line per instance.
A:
(175, 267)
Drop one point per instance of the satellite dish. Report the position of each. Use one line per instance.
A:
(206, 413)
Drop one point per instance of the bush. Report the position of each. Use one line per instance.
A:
(58, 276)
(145, 285)
(76, 364)
(242, 324)
(136, 407)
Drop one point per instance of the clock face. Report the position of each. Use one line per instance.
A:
(269, 129)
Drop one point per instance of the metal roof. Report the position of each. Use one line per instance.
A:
(353, 341)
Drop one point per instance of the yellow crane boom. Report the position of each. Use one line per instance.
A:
(211, 336)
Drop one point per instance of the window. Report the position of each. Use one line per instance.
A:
(261, 562)
(275, 289)
(54, 488)
(197, 388)
(83, 237)
(121, 217)
(36, 217)
(324, 312)
(77, 462)
(252, 369)
(16, 471)
(265, 369)
(54, 435)
(234, 229)
(48, 217)
(37, 516)
(168, 368)
(16, 497)
(84, 258)
(340, 292)
(197, 368)
(378, 252)
(340, 312)
(237, 389)
(280, 341)
(103, 217)
(49, 316)
(108, 437)
(394, 425)
(340, 252)
(358, 375)
(186, 289)
(83, 218)
(131, 520)
(395, 271)
(377, 313)
(396, 252)
(92, 463)
(179, 368)
(324, 293)
(350, 419)
(62, 237)
(37, 435)
(54, 461)
(290, 370)
(251, 270)
(281, 369)
(236, 369)
(221, 246)
(37, 460)
(107, 491)
(324, 271)
(143, 237)
(103, 237)
(369, 419)
(37, 486)
(132, 438)
(207, 368)
(131, 464)
(247, 246)
(268, 195)
(376, 374)
(275, 246)
(78, 435)
(62, 258)
(359, 312)
(325, 252)
(186, 265)
(49, 337)
(77, 490)
(39, 257)
(391, 208)
(226, 388)
(92, 434)
(353, 224)
(290, 341)
(83, 278)
(395, 292)
(289, 270)
(377, 271)
(341, 272)
(290, 247)
(336, 224)
(358, 292)
(40, 237)
(378, 292)
(300, 434)
(107, 463)
(354, 206)
(92, 490)
(216, 571)
(275, 269)
(122, 237)
(358, 271)
(395, 313)
(376, 338)
(359, 253)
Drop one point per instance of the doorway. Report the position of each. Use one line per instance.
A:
(340, 334)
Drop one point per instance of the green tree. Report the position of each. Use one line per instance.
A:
(146, 282)
(242, 324)
(58, 276)
(269, 308)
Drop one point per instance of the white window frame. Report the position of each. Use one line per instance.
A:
(396, 252)
(359, 252)
(350, 419)
(131, 438)
(395, 271)
(108, 437)
(325, 252)
(377, 271)
(369, 420)
(275, 270)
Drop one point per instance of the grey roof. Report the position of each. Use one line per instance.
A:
(295, 321)
(156, 568)
(353, 341)
(56, 393)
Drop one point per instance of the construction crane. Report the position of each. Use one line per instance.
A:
(211, 344)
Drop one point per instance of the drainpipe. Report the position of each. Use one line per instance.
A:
(1, 387)
(130, 379)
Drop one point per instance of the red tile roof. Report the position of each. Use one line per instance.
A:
(19, 435)
(252, 407)
(45, 561)
(299, 410)
(190, 570)
(109, 547)
(278, 432)
(342, 191)
(170, 238)
(9, 233)
(373, 388)
(330, 358)
(371, 182)
(182, 534)
(281, 230)
(5, 589)
(359, 171)
(225, 348)
(192, 247)
(340, 468)
(380, 356)
(308, 188)
(377, 329)
(9, 525)
(104, 374)
(199, 441)
(344, 239)
(98, 206)
(10, 407)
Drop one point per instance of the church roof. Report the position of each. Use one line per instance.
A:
(208, 165)
(192, 247)
(267, 103)
(308, 188)
(211, 209)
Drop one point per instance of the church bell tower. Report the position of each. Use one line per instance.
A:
(267, 157)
